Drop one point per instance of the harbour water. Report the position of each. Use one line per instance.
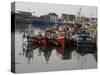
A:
(36, 61)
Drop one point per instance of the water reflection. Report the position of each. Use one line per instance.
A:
(61, 51)
(65, 52)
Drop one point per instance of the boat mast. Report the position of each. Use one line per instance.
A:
(78, 16)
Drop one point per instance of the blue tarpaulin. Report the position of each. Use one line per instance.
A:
(42, 23)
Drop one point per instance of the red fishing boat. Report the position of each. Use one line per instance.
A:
(61, 41)
(64, 41)
(44, 41)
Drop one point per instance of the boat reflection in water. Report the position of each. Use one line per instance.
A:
(65, 52)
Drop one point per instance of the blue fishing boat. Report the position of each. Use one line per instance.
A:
(84, 39)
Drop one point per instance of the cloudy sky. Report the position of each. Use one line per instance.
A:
(43, 8)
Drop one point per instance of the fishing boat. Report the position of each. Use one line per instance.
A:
(84, 39)
(46, 40)
(29, 35)
(64, 39)
(34, 39)
(61, 41)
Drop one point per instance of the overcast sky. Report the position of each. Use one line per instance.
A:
(43, 8)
